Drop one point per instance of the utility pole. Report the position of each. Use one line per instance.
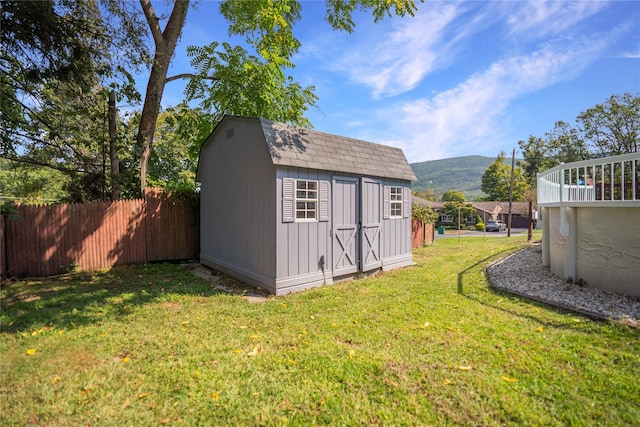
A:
(513, 164)
(530, 232)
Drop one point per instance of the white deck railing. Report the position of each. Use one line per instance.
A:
(614, 180)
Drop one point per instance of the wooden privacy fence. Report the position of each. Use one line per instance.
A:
(48, 240)
(421, 233)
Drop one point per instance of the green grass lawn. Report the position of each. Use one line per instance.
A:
(425, 345)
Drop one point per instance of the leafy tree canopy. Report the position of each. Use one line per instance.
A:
(613, 127)
(458, 210)
(453, 196)
(610, 128)
(59, 57)
(424, 213)
(496, 181)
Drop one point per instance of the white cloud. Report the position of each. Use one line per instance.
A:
(398, 62)
(631, 54)
(449, 123)
(542, 18)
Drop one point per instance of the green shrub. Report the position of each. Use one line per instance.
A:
(480, 226)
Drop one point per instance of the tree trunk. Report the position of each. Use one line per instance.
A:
(113, 148)
(165, 44)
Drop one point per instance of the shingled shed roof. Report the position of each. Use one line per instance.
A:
(306, 148)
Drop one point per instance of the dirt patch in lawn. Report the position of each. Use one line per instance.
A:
(227, 284)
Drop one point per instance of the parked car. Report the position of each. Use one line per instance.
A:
(495, 226)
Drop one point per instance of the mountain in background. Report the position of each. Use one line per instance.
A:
(458, 173)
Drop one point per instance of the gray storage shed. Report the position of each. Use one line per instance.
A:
(286, 208)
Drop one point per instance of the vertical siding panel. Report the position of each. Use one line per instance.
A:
(293, 241)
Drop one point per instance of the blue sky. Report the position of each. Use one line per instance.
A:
(459, 78)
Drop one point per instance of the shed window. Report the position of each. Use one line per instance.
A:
(306, 200)
(396, 202)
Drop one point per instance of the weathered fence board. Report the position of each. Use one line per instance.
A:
(48, 240)
(421, 233)
(3, 253)
(171, 227)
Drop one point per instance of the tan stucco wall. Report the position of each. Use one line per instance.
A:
(607, 247)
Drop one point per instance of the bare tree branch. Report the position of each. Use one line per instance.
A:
(153, 21)
(190, 76)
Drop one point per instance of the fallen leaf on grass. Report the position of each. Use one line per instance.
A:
(465, 368)
(143, 395)
(446, 381)
(509, 379)
(215, 396)
(254, 336)
(126, 359)
(31, 351)
(55, 379)
(254, 352)
(539, 329)
(237, 350)
(352, 353)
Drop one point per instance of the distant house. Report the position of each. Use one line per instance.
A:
(491, 211)
(286, 208)
(488, 211)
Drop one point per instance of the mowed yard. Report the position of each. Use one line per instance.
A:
(426, 345)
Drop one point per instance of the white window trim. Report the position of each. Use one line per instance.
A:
(395, 201)
(316, 200)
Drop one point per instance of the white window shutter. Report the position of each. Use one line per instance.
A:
(406, 202)
(386, 211)
(288, 199)
(323, 201)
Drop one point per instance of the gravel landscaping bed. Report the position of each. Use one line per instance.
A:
(522, 273)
